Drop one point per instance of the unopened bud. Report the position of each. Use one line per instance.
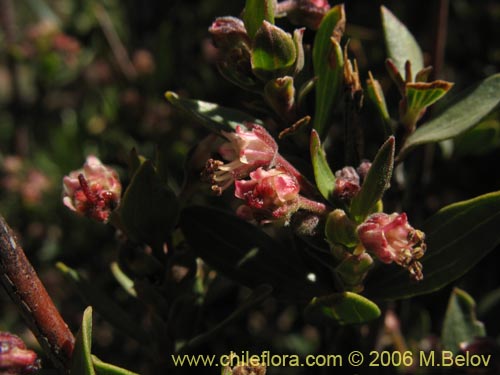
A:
(274, 52)
(339, 229)
(353, 270)
(280, 94)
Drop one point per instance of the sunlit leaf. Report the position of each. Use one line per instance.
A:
(344, 308)
(401, 45)
(210, 115)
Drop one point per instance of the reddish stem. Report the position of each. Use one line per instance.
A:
(37, 308)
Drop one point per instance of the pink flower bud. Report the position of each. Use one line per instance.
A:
(15, 359)
(363, 169)
(228, 32)
(392, 239)
(272, 194)
(346, 183)
(93, 191)
(309, 13)
(246, 150)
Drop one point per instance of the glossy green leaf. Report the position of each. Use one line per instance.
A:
(344, 308)
(460, 324)
(244, 253)
(214, 117)
(458, 237)
(135, 161)
(325, 179)
(328, 63)
(274, 52)
(103, 304)
(256, 12)
(103, 368)
(459, 117)
(400, 43)
(81, 363)
(257, 296)
(149, 209)
(376, 182)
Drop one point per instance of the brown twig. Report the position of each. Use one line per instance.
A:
(37, 308)
(440, 33)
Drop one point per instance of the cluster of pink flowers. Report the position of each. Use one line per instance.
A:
(392, 239)
(272, 191)
(93, 191)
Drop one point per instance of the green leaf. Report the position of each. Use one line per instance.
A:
(344, 308)
(458, 237)
(256, 12)
(481, 139)
(376, 182)
(328, 65)
(257, 296)
(274, 52)
(460, 116)
(104, 305)
(81, 363)
(400, 43)
(325, 179)
(246, 254)
(103, 368)
(149, 209)
(420, 95)
(460, 324)
(377, 97)
(214, 117)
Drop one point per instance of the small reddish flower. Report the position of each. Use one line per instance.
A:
(15, 359)
(346, 183)
(93, 191)
(246, 150)
(272, 194)
(392, 239)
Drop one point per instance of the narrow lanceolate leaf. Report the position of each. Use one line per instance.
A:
(344, 308)
(328, 66)
(458, 237)
(82, 361)
(256, 12)
(400, 43)
(103, 368)
(460, 116)
(376, 182)
(214, 117)
(149, 209)
(377, 97)
(244, 253)
(325, 179)
(460, 324)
